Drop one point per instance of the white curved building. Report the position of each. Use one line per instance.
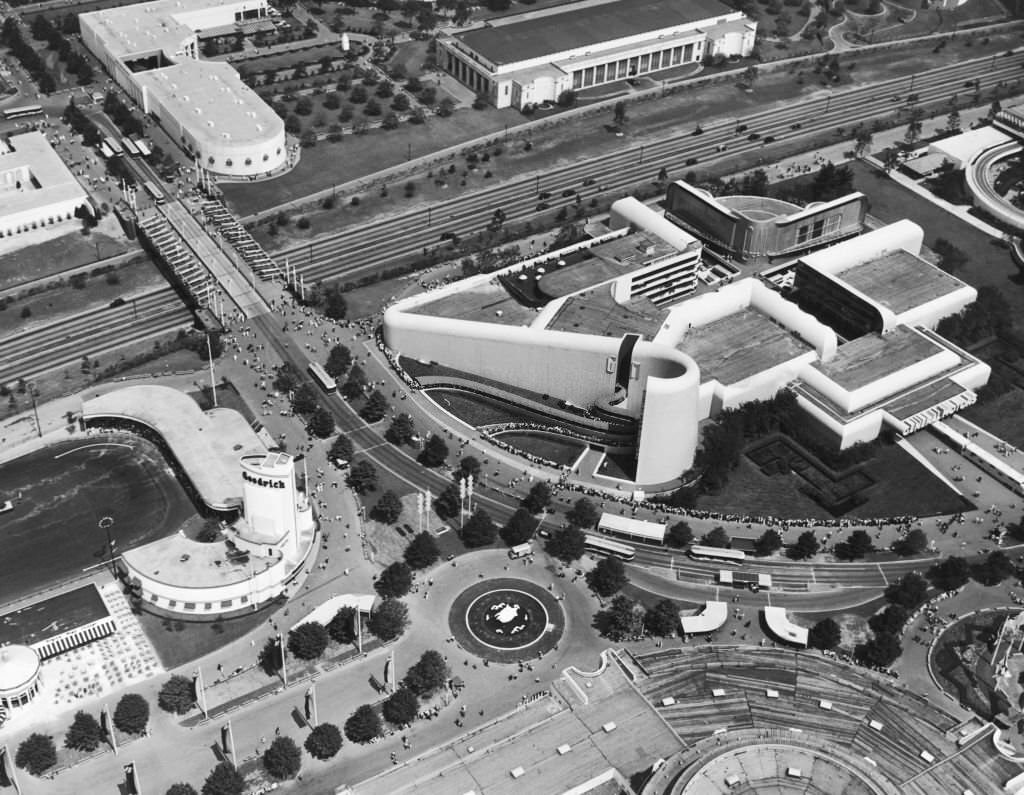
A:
(19, 675)
(151, 50)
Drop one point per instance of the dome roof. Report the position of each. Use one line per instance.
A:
(19, 666)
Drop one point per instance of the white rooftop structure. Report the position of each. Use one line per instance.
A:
(634, 528)
(323, 613)
(961, 149)
(709, 619)
(36, 188)
(784, 629)
(151, 49)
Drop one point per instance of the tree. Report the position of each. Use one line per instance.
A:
(269, 659)
(479, 530)
(395, 581)
(607, 577)
(363, 725)
(567, 98)
(342, 628)
(285, 378)
(181, 788)
(583, 513)
(308, 641)
(567, 544)
(908, 591)
(321, 423)
(355, 384)
(519, 529)
(324, 741)
(913, 543)
(342, 449)
(36, 754)
(768, 542)
(913, 133)
(806, 546)
(953, 122)
(401, 431)
(427, 675)
(178, 695)
(435, 452)
(750, 75)
(401, 707)
(338, 361)
(679, 535)
(283, 758)
(890, 620)
(863, 140)
(951, 258)
(375, 408)
(994, 569)
(824, 635)
(468, 466)
(131, 714)
(305, 399)
(622, 619)
(716, 537)
(619, 116)
(224, 780)
(856, 545)
(422, 551)
(446, 504)
(538, 498)
(950, 574)
(388, 508)
(84, 733)
(362, 477)
(389, 620)
(881, 651)
(663, 619)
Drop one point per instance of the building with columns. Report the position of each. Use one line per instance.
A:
(532, 58)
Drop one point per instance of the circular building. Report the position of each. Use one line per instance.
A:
(19, 675)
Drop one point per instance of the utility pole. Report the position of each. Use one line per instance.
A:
(284, 658)
(213, 382)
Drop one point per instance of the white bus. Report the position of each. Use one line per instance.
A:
(319, 374)
(733, 557)
(129, 146)
(155, 192)
(520, 550)
(23, 111)
(605, 546)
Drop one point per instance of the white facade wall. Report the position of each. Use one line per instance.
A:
(36, 217)
(270, 498)
(668, 427)
(930, 313)
(835, 259)
(864, 428)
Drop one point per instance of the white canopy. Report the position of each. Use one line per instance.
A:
(780, 625)
(637, 528)
(709, 619)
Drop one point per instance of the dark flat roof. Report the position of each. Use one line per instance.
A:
(899, 280)
(868, 358)
(582, 27)
(52, 617)
(596, 312)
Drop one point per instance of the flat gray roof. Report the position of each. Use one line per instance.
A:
(207, 444)
(869, 358)
(596, 312)
(481, 303)
(740, 345)
(586, 26)
(900, 281)
(176, 560)
(29, 157)
(54, 616)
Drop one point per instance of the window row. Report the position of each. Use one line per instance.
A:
(821, 227)
(229, 162)
(638, 64)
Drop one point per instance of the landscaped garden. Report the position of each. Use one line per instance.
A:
(551, 447)
(962, 662)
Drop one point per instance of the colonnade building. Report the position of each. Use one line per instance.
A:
(151, 50)
(532, 58)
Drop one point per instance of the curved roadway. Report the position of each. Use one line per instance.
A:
(983, 190)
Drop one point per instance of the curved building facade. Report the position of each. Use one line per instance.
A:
(151, 50)
(19, 675)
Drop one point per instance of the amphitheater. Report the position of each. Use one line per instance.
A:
(776, 722)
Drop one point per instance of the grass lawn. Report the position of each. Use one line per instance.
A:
(902, 487)
(178, 642)
(388, 542)
(64, 301)
(1001, 416)
(550, 447)
(62, 253)
(475, 409)
(357, 156)
(409, 55)
(970, 683)
(925, 22)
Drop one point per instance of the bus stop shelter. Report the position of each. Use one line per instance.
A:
(633, 529)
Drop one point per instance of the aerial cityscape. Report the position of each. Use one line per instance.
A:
(569, 397)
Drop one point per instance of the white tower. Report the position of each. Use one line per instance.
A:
(270, 501)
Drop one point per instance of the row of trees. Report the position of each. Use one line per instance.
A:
(37, 753)
(27, 55)
(74, 61)
(305, 401)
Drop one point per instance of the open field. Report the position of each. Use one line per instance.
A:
(60, 494)
(1001, 416)
(59, 254)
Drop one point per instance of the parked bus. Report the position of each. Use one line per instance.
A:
(733, 557)
(23, 111)
(129, 146)
(114, 146)
(143, 148)
(155, 192)
(989, 463)
(319, 374)
(605, 546)
(520, 550)
(105, 152)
